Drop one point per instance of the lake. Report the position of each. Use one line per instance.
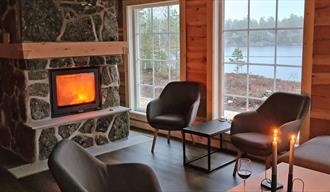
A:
(290, 55)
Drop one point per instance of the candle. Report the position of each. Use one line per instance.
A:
(292, 142)
(274, 166)
(222, 118)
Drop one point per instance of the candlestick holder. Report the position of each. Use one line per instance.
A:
(267, 184)
(290, 182)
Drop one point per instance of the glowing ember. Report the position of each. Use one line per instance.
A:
(75, 89)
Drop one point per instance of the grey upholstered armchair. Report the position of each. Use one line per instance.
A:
(251, 132)
(175, 109)
(76, 170)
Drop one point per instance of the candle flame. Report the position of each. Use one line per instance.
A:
(293, 137)
(275, 136)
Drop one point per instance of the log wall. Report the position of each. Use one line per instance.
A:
(320, 88)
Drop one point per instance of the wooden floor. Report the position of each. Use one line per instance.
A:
(166, 162)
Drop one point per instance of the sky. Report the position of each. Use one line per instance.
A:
(238, 9)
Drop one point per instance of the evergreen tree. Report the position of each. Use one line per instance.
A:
(237, 58)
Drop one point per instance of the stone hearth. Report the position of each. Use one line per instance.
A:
(24, 84)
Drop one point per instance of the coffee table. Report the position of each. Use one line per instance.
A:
(208, 129)
(313, 180)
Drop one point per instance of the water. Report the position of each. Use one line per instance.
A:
(291, 55)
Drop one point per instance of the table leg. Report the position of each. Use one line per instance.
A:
(209, 153)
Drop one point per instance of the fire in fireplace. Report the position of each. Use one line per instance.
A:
(74, 90)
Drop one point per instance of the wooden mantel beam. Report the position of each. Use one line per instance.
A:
(46, 50)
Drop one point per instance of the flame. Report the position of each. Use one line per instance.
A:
(275, 136)
(75, 89)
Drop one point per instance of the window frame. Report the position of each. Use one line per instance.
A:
(133, 70)
(222, 95)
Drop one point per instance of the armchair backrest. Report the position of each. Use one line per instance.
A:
(282, 107)
(76, 170)
(178, 97)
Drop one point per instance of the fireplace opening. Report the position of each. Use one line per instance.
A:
(74, 90)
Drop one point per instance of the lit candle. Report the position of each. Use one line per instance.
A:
(274, 166)
(222, 118)
(292, 142)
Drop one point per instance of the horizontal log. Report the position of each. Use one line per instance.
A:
(45, 50)
(321, 60)
(321, 78)
(319, 126)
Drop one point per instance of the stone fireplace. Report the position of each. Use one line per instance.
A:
(36, 109)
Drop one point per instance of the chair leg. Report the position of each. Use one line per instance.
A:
(168, 137)
(268, 162)
(239, 154)
(154, 140)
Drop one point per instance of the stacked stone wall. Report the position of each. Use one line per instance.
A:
(24, 86)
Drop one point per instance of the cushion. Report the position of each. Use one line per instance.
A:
(253, 143)
(169, 121)
(313, 154)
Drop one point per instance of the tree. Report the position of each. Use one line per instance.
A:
(237, 58)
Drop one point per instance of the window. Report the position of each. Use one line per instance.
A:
(262, 51)
(156, 59)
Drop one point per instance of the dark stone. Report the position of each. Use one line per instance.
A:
(79, 30)
(60, 63)
(114, 74)
(88, 126)
(5, 136)
(22, 106)
(84, 141)
(20, 79)
(67, 130)
(12, 2)
(120, 127)
(105, 76)
(38, 89)
(81, 61)
(40, 109)
(103, 124)
(98, 26)
(8, 76)
(110, 97)
(96, 61)
(47, 142)
(41, 20)
(34, 64)
(37, 75)
(114, 60)
(101, 140)
(3, 7)
(80, 9)
(110, 27)
(10, 27)
(25, 142)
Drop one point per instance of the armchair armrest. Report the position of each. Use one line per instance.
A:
(285, 132)
(154, 108)
(245, 122)
(192, 112)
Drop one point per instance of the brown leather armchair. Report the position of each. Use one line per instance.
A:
(74, 169)
(251, 132)
(175, 109)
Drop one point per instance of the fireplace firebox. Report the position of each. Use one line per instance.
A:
(74, 90)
